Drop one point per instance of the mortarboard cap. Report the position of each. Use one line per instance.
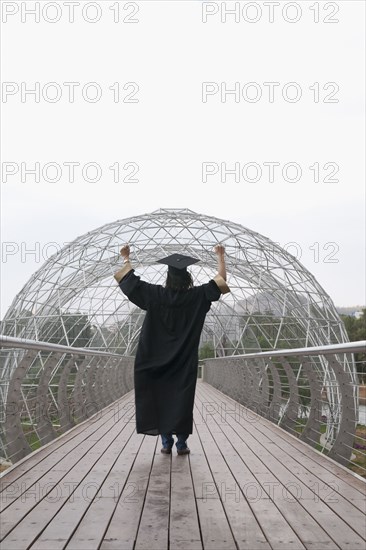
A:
(178, 262)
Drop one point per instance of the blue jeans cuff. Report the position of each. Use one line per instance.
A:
(168, 440)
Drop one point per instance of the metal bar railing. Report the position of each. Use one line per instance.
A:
(46, 389)
(313, 393)
(11, 342)
(347, 347)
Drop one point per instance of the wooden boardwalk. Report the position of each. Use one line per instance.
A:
(247, 484)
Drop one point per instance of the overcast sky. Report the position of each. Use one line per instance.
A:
(172, 66)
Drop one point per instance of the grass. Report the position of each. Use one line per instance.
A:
(31, 437)
(359, 463)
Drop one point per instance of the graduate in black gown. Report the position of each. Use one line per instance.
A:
(166, 362)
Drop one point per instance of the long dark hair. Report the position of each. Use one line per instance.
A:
(182, 281)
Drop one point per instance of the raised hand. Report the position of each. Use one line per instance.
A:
(125, 251)
(219, 249)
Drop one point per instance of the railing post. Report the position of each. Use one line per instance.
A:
(80, 404)
(288, 420)
(311, 432)
(45, 428)
(91, 387)
(275, 406)
(342, 447)
(17, 445)
(66, 420)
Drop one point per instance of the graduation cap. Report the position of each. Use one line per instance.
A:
(178, 263)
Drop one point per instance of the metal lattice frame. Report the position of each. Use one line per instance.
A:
(311, 392)
(74, 300)
(37, 411)
(274, 300)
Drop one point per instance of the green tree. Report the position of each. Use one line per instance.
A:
(356, 330)
(67, 329)
(207, 351)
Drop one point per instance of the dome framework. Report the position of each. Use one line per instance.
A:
(274, 303)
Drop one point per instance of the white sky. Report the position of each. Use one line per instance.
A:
(170, 132)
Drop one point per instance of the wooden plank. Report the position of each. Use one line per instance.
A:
(55, 460)
(326, 489)
(92, 432)
(216, 534)
(153, 529)
(122, 530)
(90, 533)
(215, 529)
(52, 490)
(257, 524)
(128, 495)
(203, 483)
(331, 523)
(23, 476)
(333, 490)
(95, 497)
(31, 461)
(325, 466)
(214, 524)
(184, 531)
(258, 491)
(330, 477)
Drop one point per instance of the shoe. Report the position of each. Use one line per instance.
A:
(185, 451)
(166, 450)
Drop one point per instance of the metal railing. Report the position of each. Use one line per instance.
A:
(315, 393)
(46, 389)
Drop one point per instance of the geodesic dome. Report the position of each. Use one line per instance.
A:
(274, 303)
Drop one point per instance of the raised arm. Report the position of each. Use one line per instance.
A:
(220, 278)
(125, 253)
(140, 293)
(221, 266)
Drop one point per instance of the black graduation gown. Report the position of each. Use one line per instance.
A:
(166, 362)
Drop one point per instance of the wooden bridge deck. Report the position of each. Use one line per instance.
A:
(247, 484)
